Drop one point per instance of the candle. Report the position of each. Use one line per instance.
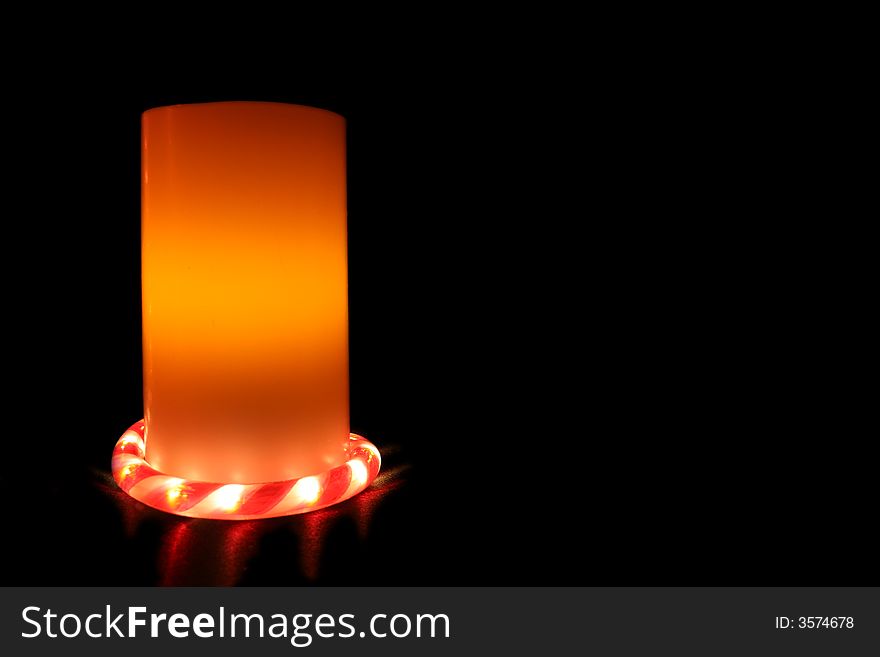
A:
(245, 315)
(244, 291)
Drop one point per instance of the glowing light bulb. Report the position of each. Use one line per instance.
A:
(308, 489)
(228, 497)
(175, 490)
(358, 472)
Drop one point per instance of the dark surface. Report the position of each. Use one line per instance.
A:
(587, 335)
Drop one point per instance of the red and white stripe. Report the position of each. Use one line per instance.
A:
(201, 499)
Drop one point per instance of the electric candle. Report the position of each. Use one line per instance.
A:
(245, 306)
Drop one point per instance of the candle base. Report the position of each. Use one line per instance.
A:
(202, 499)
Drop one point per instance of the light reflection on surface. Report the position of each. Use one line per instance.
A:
(194, 552)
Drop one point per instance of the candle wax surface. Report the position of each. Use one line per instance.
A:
(245, 306)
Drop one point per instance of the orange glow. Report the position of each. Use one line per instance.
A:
(228, 497)
(359, 472)
(308, 490)
(245, 309)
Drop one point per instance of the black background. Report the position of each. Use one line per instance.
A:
(588, 327)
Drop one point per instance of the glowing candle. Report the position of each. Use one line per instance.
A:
(245, 315)
(244, 291)
(245, 306)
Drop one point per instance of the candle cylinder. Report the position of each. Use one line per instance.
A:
(245, 306)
